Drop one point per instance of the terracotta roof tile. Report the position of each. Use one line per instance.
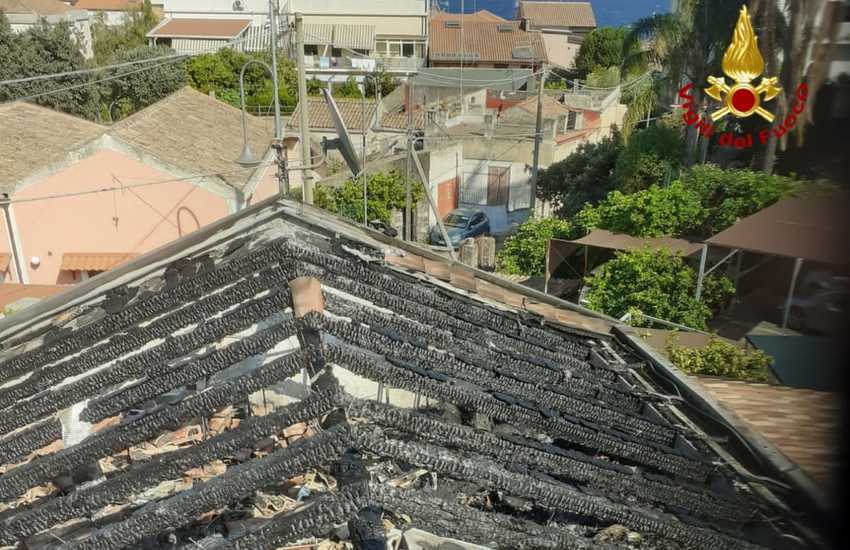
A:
(33, 138)
(479, 16)
(485, 42)
(350, 109)
(558, 14)
(197, 134)
(803, 424)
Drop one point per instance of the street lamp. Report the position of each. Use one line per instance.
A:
(247, 158)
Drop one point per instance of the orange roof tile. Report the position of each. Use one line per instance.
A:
(351, 110)
(490, 41)
(803, 424)
(94, 261)
(558, 14)
(479, 16)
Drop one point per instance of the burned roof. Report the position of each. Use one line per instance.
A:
(273, 379)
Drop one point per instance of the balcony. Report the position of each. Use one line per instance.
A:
(315, 63)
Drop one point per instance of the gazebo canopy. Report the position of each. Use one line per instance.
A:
(601, 238)
(813, 227)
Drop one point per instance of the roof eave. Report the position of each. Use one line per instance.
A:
(781, 466)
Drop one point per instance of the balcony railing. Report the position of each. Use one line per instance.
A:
(342, 64)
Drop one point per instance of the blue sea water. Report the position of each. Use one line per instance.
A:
(609, 13)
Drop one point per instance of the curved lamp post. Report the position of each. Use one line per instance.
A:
(247, 157)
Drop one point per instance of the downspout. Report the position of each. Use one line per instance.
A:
(13, 241)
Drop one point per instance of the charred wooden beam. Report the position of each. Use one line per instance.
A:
(236, 483)
(87, 500)
(112, 440)
(578, 433)
(548, 493)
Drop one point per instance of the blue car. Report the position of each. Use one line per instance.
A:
(461, 223)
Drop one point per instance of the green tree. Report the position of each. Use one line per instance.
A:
(386, 192)
(137, 90)
(524, 253)
(653, 282)
(585, 176)
(109, 41)
(728, 195)
(349, 88)
(604, 77)
(658, 211)
(686, 45)
(40, 50)
(651, 156)
(386, 84)
(315, 86)
(601, 48)
(219, 72)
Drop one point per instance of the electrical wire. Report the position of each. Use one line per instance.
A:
(88, 71)
(136, 185)
(168, 59)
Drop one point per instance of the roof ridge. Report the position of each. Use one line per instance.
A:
(19, 103)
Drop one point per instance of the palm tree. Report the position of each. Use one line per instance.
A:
(684, 46)
(797, 36)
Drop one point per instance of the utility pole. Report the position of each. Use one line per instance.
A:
(273, 28)
(408, 196)
(363, 162)
(537, 131)
(304, 111)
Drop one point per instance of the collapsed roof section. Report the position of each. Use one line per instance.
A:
(155, 408)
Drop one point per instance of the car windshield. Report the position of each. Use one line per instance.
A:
(456, 220)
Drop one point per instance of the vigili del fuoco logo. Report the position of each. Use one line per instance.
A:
(743, 64)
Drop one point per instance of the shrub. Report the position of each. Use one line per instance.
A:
(652, 156)
(720, 358)
(656, 283)
(654, 212)
(524, 253)
(386, 192)
(727, 195)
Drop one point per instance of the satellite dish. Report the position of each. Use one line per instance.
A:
(346, 146)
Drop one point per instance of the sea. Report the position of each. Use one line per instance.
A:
(609, 13)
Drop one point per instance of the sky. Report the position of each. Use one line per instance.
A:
(608, 12)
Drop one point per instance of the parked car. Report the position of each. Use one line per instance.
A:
(461, 223)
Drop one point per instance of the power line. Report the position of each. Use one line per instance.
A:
(88, 71)
(165, 58)
(134, 186)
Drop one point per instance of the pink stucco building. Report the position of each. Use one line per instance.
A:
(78, 198)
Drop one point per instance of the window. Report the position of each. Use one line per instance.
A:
(571, 120)
(498, 180)
(311, 49)
(399, 48)
(336, 52)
